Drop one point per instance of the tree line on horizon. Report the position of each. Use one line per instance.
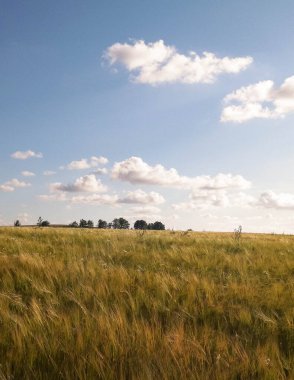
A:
(116, 224)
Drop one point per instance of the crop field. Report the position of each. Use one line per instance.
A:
(106, 304)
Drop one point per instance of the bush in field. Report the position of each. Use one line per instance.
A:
(17, 223)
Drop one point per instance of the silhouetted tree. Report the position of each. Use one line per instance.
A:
(17, 223)
(83, 223)
(140, 225)
(102, 224)
(74, 224)
(42, 223)
(90, 224)
(120, 223)
(158, 226)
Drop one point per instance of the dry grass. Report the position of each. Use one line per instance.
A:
(92, 304)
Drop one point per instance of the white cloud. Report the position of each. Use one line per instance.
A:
(260, 100)
(48, 172)
(27, 173)
(100, 171)
(87, 183)
(11, 185)
(95, 199)
(6, 188)
(136, 171)
(141, 197)
(86, 163)
(84, 184)
(270, 199)
(145, 210)
(54, 197)
(217, 198)
(24, 155)
(156, 63)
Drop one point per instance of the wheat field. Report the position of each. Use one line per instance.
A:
(106, 304)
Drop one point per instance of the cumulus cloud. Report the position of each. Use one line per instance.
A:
(157, 63)
(138, 197)
(60, 192)
(261, 100)
(11, 185)
(27, 173)
(141, 197)
(24, 155)
(86, 163)
(87, 183)
(136, 171)
(270, 199)
(100, 171)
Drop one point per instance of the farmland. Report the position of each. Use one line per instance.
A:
(110, 304)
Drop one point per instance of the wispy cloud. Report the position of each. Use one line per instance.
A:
(48, 172)
(12, 184)
(156, 63)
(27, 173)
(261, 100)
(217, 198)
(24, 155)
(86, 163)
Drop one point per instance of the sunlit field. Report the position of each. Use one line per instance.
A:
(105, 304)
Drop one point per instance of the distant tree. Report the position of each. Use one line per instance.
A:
(140, 225)
(90, 224)
(120, 223)
(102, 223)
(17, 223)
(83, 223)
(74, 224)
(109, 225)
(158, 226)
(150, 226)
(42, 223)
(39, 222)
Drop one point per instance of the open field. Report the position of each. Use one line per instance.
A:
(93, 304)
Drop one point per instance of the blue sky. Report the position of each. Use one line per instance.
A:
(72, 89)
